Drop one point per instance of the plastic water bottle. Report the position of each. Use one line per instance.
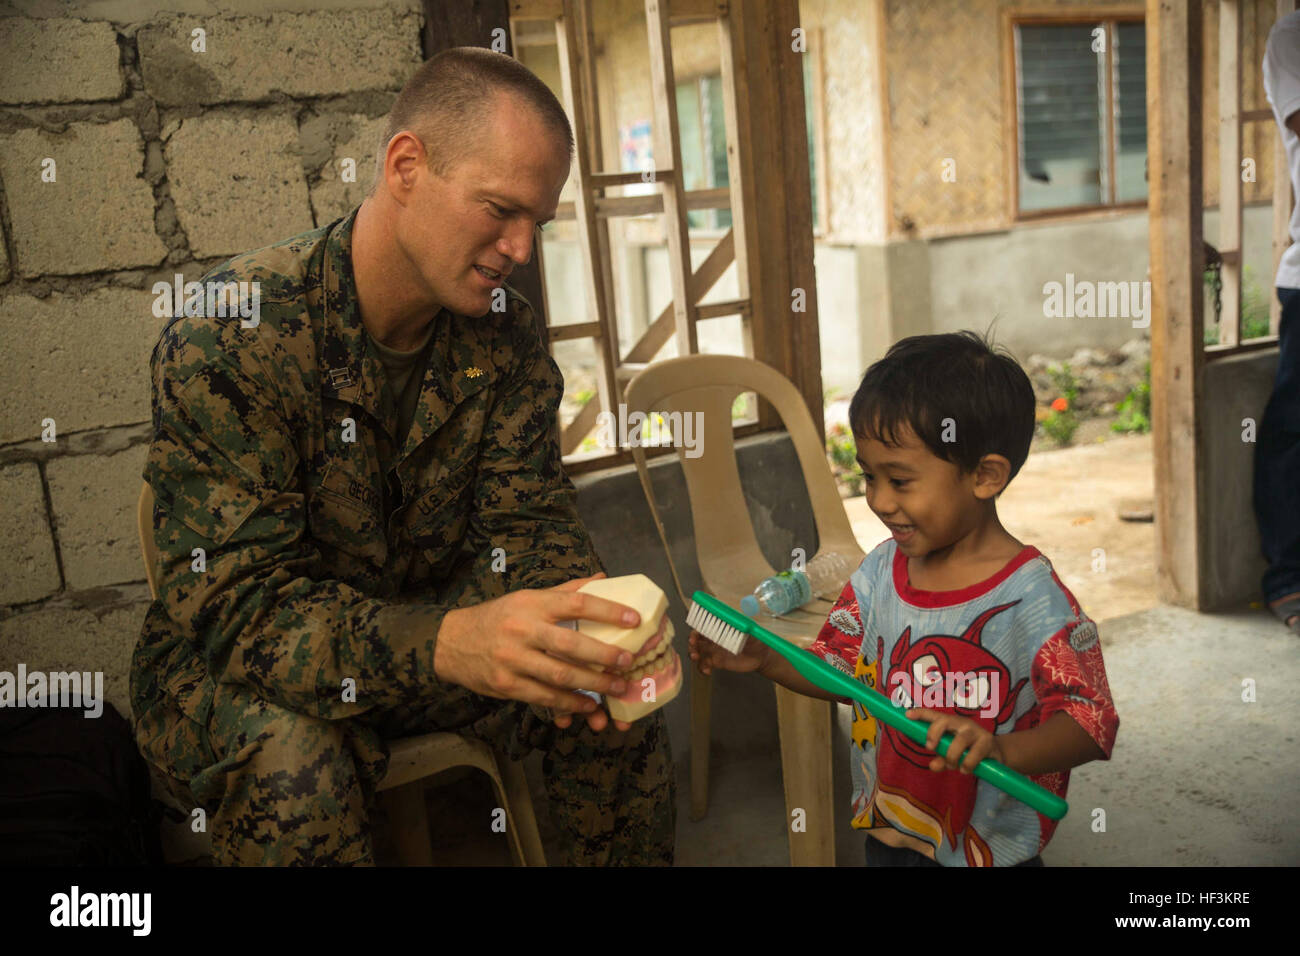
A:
(823, 576)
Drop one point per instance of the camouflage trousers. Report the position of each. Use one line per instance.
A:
(282, 788)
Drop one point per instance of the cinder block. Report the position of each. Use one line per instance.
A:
(81, 360)
(94, 499)
(298, 54)
(98, 212)
(28, 569)
(237, 183)
(332, 197)
(58, 61)
(63, 639)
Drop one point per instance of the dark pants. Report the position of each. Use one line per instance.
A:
(882, 854)
(1277, 461)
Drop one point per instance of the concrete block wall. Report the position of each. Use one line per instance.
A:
(130, 151)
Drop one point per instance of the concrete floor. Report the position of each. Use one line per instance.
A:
(1197, 777)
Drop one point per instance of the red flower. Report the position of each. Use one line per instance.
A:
(1060, 405)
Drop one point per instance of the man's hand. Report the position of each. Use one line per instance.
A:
(512, 648)
(967, 737)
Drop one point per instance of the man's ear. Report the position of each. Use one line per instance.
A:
(407, 154)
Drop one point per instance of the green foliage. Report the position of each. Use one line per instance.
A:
(842, 451)
(1254, 309)
(1134, 412)
(1065, 382)
(1060, 426)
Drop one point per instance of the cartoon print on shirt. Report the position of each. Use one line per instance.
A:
(979, 691)
(982, 697)
(865, 734)
(864, 724)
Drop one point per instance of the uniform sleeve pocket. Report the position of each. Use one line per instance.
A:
(214, 510)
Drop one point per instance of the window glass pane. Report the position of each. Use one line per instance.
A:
(689, 133)
(717, 127)
(1130, 57)
(1060, 115)
(577, 359)
(808, 100)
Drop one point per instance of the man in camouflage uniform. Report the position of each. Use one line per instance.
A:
(337, 486)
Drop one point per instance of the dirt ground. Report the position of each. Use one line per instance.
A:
(1065, 502)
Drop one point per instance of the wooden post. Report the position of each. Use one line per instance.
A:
(1173, 31)
(668, 155)
(591, 104)
(777, 238)
(599, 308)
(1230, 170)
(737, 130)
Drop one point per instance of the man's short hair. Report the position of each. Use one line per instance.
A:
(443, 103)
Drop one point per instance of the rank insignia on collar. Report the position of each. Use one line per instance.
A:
(341, 377)
(473, 372)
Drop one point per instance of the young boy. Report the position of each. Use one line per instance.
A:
(952, 618)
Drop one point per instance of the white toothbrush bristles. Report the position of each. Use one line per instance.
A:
(718, 631)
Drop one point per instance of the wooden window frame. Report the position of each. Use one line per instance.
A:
(770, 241)
(821, 222)
(1107, 16)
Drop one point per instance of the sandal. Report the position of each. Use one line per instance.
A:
(1288, 610)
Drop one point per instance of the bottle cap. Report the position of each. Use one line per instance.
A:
(749, 605)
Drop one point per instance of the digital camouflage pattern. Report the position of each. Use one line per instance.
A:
(331, 555)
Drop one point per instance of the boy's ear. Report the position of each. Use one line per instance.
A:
(991, 475)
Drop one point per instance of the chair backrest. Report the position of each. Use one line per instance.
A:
(148, 548)
(726, 547)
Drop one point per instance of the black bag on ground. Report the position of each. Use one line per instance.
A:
(74, 791)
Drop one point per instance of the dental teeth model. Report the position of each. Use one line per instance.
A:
(656, 673)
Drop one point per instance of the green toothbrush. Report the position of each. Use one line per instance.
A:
(728, 628)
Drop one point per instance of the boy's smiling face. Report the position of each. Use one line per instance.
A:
(926, 502)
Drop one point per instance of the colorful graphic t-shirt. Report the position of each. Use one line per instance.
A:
(1008, 652)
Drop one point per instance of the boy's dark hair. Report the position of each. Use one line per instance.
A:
(925, 379)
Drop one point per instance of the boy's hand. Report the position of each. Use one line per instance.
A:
(708, 655)
(967, 737)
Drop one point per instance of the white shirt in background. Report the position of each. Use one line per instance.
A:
(1282, 87)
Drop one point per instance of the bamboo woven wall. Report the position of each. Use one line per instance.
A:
(854, 164)
(944, 102)
(944, 87)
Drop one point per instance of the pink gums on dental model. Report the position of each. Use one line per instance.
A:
(655, 676)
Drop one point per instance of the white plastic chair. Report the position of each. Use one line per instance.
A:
(732, 564)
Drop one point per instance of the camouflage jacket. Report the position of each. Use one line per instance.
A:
(328, 551)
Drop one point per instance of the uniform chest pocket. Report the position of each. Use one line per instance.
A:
(438, 518)
(345, 513)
